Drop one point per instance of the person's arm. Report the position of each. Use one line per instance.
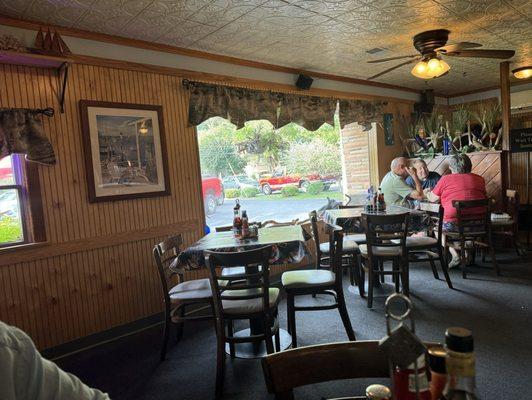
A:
(434, 195)
(25, 374)
(417, 193)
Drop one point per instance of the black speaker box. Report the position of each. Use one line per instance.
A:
(304, 82)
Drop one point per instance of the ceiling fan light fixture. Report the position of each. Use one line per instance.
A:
(522, 72)
(430, 69)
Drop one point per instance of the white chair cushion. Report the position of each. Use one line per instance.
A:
(348, 246)
(308, 278)
(381, 251)
(359, 238)
(230, 271)
(502, 222)
(415, 241)
(190, 290)
(248, 306)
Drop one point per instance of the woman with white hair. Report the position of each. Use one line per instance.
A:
(461, 184)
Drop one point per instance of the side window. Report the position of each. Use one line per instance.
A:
(20, 204)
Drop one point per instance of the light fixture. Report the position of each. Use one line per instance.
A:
(143, 130)
(430, 68)
(522, 72)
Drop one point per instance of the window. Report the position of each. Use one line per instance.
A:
(20, 205)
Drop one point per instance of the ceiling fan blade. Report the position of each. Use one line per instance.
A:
(392, 58)
(451, 48)
(500, 54)
(392, 68)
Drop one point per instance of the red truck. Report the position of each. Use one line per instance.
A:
(280, 179)
(213, 193)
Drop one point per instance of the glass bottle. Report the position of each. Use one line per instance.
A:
(245, 224)
(438, 373)
(405, 385)
(460, 365)
(237, 220)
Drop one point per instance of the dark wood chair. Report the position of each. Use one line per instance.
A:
(430, 248)
(509, 228)
(184, 294)
(350, 251)
(318, 281)
(244, 296)
(474, 231)
(359, 238)
(294, 368)
(386, 241)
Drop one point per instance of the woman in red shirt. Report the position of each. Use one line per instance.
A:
(461, 184)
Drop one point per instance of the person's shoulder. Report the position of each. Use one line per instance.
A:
(12, 337)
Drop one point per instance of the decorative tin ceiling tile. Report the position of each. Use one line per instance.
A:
(331, 36)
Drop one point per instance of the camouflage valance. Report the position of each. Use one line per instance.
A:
(21, 132)
(239, 105)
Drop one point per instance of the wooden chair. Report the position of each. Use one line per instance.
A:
(318, 281)
(386, 241)
(473, 231)
(359, 238)
(349, 251)
(195, 292)
(245, 296)
(430, 248)
(509, 228)
(272, 223)
(283, 372)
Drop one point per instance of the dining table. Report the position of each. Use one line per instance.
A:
(289, 247)
(350, 219)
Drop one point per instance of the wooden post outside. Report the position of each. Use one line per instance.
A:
(506, 114)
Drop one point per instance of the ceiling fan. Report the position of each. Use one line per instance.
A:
(432, 45)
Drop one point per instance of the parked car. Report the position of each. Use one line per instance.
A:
(277, 180)
(239, 182)
(213, 193)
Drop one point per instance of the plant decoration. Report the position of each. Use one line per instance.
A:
(439, 133)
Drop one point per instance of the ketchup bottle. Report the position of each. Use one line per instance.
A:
(405, 382)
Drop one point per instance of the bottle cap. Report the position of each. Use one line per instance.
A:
(437, 356)
(378, 392)
(459, 340)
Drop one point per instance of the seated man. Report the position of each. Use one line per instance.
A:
(428, 179)
(25, 374)
(394, 187)
(461, 184)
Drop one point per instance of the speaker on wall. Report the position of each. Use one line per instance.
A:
(304, 82)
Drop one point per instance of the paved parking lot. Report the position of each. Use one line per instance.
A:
(262, 210)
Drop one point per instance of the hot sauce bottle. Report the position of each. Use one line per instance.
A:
(237, 220)
(437, 356)
(405, 382)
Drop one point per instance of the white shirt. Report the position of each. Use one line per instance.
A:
(26, 375)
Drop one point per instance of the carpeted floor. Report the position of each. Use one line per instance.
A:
(496, 309)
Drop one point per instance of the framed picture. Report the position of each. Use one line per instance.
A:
(125, 153)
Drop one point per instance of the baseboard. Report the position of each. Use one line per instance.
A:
(102, 337)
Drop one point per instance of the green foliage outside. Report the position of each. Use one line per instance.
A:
(224, 150)
(289, 191)
(10, 230)
(315, 187)
(232, 193)
(249, 192)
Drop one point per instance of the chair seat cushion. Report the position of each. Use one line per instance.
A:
(381, 251)
(359, 238)
(248, 306)
(308, 278)
(348, 247)
(418, 241)
(502, 222)
(231, 271)
(191, 290)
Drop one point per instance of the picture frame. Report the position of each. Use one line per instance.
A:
(124, 150)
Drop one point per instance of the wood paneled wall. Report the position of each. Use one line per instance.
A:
(519, 160)
(96, 271)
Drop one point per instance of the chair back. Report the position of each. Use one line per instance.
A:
(254, 283)
(313, 217)
(272, 223)
(226, 228)
(336, 241)
(388, 230)
(341, 206)
(165, 255)
(513, 203)
(435, 213)
(475, 224)
(323, 363)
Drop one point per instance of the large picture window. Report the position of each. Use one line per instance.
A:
(20, 204)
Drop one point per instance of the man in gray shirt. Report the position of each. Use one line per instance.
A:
(25, 374)
(394, 187)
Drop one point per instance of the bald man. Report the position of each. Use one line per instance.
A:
(396, 191)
